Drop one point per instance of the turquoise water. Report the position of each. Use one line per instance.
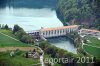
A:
(29, 19)
(64, 43)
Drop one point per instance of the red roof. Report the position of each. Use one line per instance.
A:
(57, 28)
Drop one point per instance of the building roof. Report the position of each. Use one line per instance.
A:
(57, 28)
(92, 30)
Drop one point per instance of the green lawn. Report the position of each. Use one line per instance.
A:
(6, 41)
(17, 60)
(92, 50)
(8, 32)
(93, 41)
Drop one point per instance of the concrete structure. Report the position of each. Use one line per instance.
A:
(90, 32)
(53, 32)
(34, 34)
(57, 31)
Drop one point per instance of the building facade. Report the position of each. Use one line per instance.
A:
(57, 31)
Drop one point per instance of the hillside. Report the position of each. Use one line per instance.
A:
(79, 12)
(8, 43)
(7, 39)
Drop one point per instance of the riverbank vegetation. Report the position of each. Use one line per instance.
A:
(47, 56)
(22, 35)
(75, 38)
(55, 52)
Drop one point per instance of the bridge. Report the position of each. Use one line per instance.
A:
(53, 32)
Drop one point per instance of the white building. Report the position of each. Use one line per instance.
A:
(57, 31)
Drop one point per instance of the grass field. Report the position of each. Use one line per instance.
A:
(17, 60)
(8, 32)
(92, 50)
(7, 41)
(93, 41)
(92, 46)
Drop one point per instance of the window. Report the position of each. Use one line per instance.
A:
(60, 31)
(63, 30)
(49, 32)
(52, 31)
(46, 32)
(43, 33)
(55, 31)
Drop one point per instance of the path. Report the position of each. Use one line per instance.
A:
(87, 45)
(4, 49)
(41, 57)
(21, 48)
(9, 36)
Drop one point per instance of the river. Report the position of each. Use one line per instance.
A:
(33, 19)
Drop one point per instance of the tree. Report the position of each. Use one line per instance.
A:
(26, 38)
(16, 28)
(26, 54)
(20, 33)
(6, 27)
(0, 25)
(77, 10)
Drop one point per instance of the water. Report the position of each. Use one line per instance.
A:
(31, 18)
(64, 43)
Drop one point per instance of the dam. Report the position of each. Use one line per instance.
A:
(53, 32)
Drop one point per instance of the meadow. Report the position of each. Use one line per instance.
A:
(17, 60)
(92, 46)
(93, 41)
(92, 50)
(7, 39)
(8, 43)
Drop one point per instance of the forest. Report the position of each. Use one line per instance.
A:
(86, 12)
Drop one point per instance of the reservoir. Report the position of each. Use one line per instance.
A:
(29, 19)
(33, 18)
